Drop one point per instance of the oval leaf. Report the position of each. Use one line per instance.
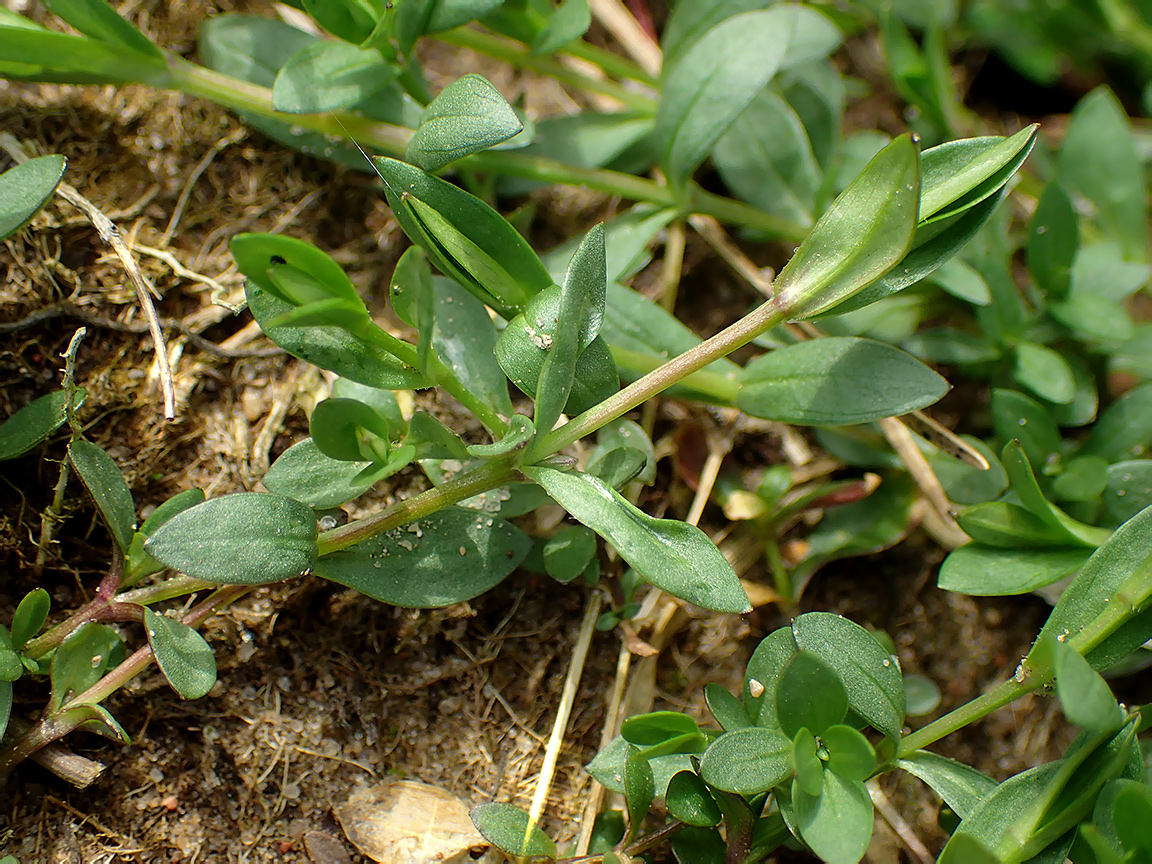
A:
(25, 189)
(33, 423)
(182, 655)
(715, 80)
(509, 828)
(747, 761)
(106, 485)
(837, 381)
(674, 556)
(865, 231)
(248, 539)
(869, 673)
(469, 115)
(448, 557)
(329, 75)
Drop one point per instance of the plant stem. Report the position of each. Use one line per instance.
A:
(52, 727)
(498, 472)
(391, 140)
(715, 388)
(659, 380)
(1007, 692)
(406, 353)
(514, 54)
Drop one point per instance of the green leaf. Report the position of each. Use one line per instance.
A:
(348, 20)
(1132, 817)
(350, 430)
(837, 823)
(1084, 695)
(762, 676)
(959, 174)
(568, 22)
(809, 695)
(865, 231)
(11, 668)
(806, 764)
(292, 270)
(849, 753)
(933, 246)
(329, 76)
(689, 800)
(707, 88)
(183, 656)
(1100, 269)
(616, 445)
(1053, 240)
(464, 237)
(33, 423)
(1100, 160)
(520, 432)
(747, 761)
(946, 345)
(963, 788)
(331, 348)
(464, 338)
(1024, 484)
(966, 484)
(963, 282)
(727, 710)
(646, 730)
(106, 485)
(1093, 318)
(1124, 430)
(510, 829)
(1045, 372)
(577, 323)
(995, 813)
(1128, 491)
(674, 556)
(1021, 418)
(837, 381)
(304, 473)
(569, 552)
(869, 674)
(413, 299)
(469, 115)
(29, 617)
(526, 344)
(1006, 525)
(432, 439)
(82, 659)
(1083, 479)
(450, 556)
(5, 713)
(689, 21)
(639, 790)
(139, 563)
(766, 159)
(249, 539)
(983, 571)
(25, 189)
(93, 718)
(97, 19)
(1098, 580)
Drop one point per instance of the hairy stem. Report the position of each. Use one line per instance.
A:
(498, 472)
(659, 380)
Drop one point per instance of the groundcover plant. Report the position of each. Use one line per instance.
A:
(747, 87)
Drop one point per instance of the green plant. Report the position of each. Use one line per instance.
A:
(824, 705)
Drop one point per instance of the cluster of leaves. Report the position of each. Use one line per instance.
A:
(822, 715)
(892, 239)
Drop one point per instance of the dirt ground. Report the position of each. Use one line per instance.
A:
(322, 690)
